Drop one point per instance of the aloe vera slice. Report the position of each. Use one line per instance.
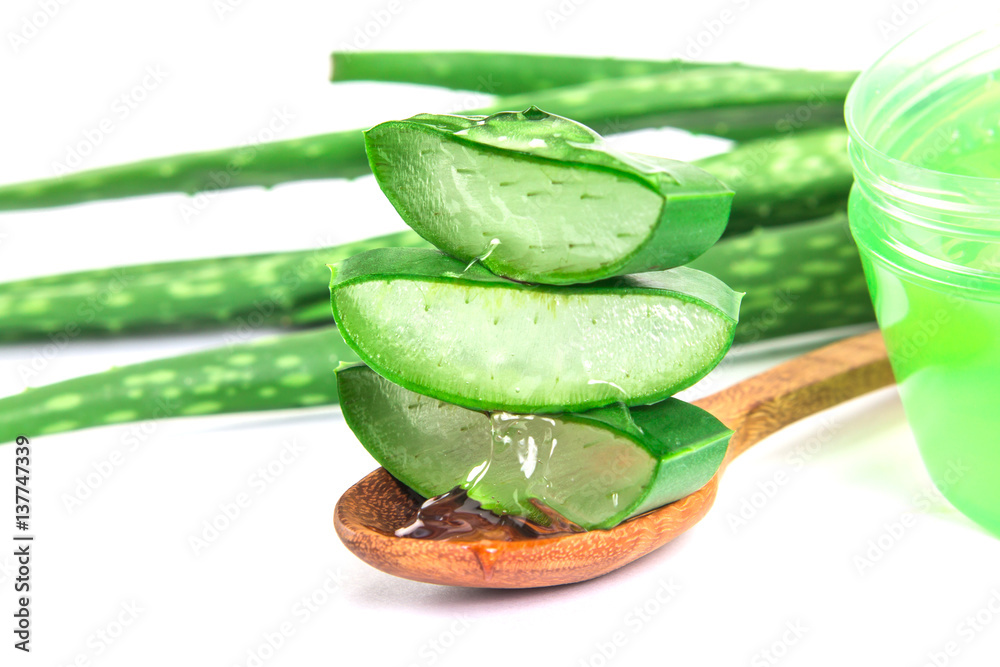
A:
(595, 468)
(543, 199)
(462, 334)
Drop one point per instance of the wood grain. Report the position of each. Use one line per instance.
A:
(368, 514)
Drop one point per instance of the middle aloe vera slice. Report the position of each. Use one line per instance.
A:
(462, 334)
(543, 199)
(595, 468)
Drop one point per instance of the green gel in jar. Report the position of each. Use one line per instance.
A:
(925, 210)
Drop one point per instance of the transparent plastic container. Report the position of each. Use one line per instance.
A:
(925, 210)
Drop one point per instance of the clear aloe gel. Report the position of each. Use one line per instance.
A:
(593, 469)
(925, 210)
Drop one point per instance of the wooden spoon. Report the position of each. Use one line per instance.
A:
(368, 514)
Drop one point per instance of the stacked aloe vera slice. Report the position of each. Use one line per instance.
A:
(531, 359)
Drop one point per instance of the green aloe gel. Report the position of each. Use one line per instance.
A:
(925, 143)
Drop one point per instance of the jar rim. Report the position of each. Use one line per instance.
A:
(945, 34)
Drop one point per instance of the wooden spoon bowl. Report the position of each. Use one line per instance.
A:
(369, 513)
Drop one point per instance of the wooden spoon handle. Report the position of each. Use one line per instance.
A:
(766, 403)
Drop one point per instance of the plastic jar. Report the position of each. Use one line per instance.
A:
(924, 123)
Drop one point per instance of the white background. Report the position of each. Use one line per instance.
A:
(845, 552)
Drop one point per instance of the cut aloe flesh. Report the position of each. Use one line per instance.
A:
(431, 323)
(595, 468)
(540, 198)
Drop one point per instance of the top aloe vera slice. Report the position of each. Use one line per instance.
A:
(543, 199)
(461, 334)
(595, 468)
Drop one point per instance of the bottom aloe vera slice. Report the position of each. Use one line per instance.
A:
(461, 334)
(595, 468)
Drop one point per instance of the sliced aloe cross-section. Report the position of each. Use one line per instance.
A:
(595, 468)
(540, 198)
(459, 333)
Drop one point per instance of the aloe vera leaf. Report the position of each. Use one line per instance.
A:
(462, 334)
(808, 276)
(334, 155)
(761, 172)
(736, 103)
(289, 371)
(540, 198)
(797, 278)
(753, 262)
(496, 72)
(172, 296)
(609, 465)
(781, 180)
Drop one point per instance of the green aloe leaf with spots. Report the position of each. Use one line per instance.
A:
(291, 371)
(497, 72)
(736, 102)
(777, 181)
(242, 292)
(798, 278)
